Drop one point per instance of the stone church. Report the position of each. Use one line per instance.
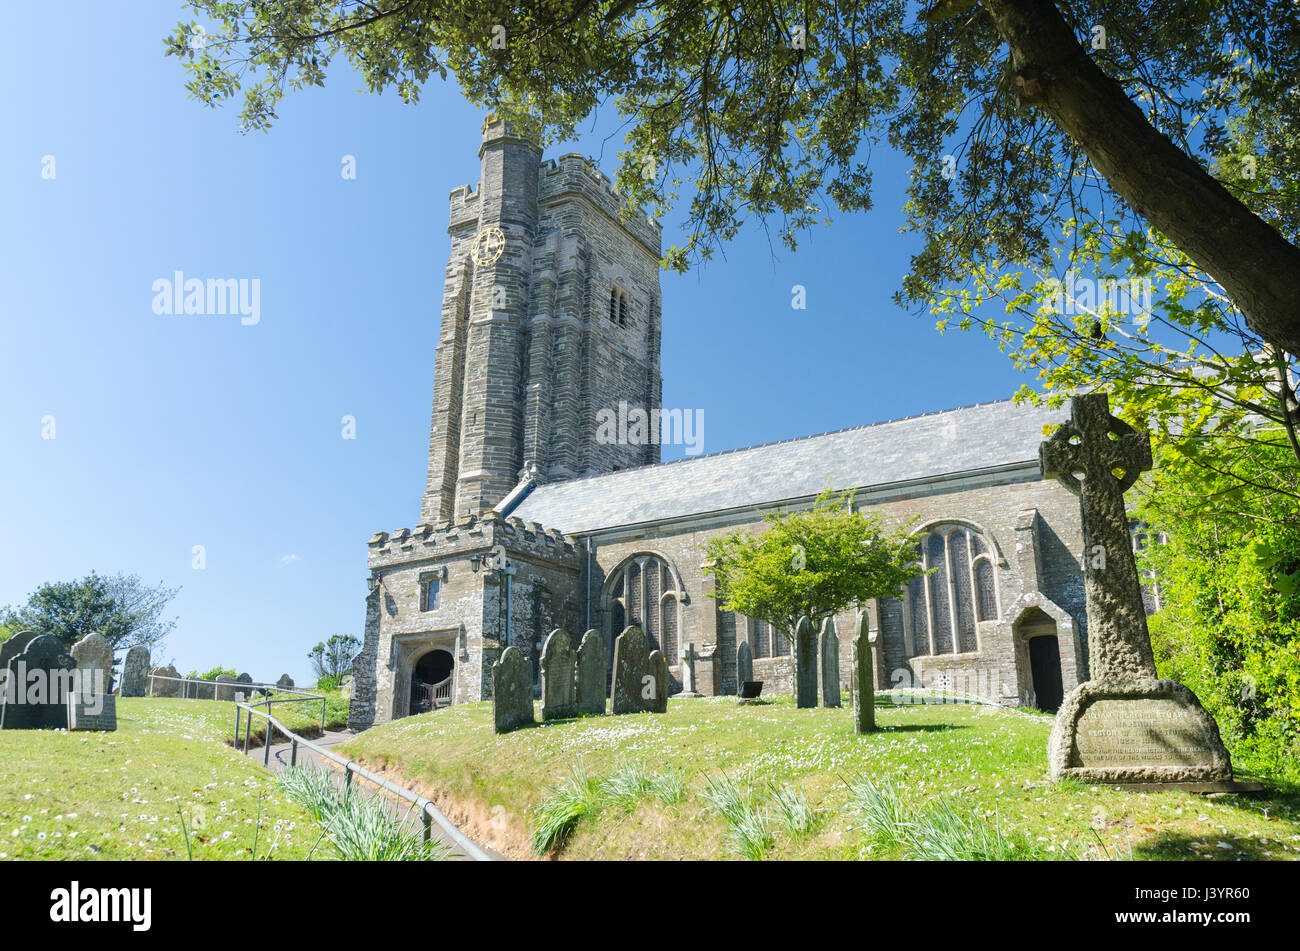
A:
(530, 521)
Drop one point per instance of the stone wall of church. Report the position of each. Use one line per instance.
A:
(994, 671)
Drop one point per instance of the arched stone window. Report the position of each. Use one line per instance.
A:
(644, 592)
(618, 306)
(942, 610)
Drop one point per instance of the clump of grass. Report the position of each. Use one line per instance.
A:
(943, 834)
(555, 817)
(359, 825)
(669, 788)
(628, 784)
(877, 807)
(796, 816)
(940, 834)
(748, 833)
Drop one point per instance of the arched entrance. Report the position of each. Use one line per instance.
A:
(1045, 667)
(1038, 660)
(431, 681)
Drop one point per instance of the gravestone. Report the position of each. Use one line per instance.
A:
(225, 690)
(744, 664)
(658, 702)
(591, 676)
(284, 683)
(805, 664)
(862, 678)
(39, 681)
(688, 671)
(631, 667)
(164, 682)
(94, 657)
(1124, 725)
(15, 646)
(202, 690)
(98, 712)
(557, 677)
(135, 672)
(830, 650)
(245, 681)
(512, 691)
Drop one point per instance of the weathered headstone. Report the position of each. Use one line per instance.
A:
(284, 683)
(164, 682)
(226, 688)
(202, 690)
(512, 691)
(863, 675)
(38, 682)
(94, 657)
(98, 712)
(591, 674)
(689, 657)
(631, 668)
(744, 664)
(15, 646)
(245, 681)
(1124, 725)
(830, 651)
(805, 664)
(658, 701)
(135, 672)
(557, 677)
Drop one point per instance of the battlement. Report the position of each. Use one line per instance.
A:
(570, 175)
(470, 534)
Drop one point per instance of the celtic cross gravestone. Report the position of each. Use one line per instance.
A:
(1124, 725)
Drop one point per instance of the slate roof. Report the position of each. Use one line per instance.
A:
(932, 446)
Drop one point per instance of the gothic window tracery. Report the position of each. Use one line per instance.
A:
(942, 610)
(644, 593)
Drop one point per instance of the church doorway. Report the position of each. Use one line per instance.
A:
(1045, 667)
(431, 681)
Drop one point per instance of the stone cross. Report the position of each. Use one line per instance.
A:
(689, 657)
(1109, 455)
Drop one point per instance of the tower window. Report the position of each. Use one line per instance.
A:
(431, 589)
(618, 307)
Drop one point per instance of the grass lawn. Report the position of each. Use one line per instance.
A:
(124, 795)
(303, 717)
(987, 763)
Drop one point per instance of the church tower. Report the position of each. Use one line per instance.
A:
(550, 314)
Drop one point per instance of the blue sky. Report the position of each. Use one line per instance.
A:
(172, 432)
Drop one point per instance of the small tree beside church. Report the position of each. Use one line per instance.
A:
(811, 563)
(331, 659)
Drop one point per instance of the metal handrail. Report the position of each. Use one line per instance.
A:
(242, 686)
(429, 813)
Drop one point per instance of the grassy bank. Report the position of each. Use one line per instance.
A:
(775, 782)
(134, 793)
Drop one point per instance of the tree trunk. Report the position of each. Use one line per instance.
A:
(1254, 264)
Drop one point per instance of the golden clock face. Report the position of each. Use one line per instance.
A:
(488, 246)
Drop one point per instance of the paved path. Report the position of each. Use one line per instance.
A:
(282, 752)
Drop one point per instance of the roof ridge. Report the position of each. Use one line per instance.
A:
(775, 442)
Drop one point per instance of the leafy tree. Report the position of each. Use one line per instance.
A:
(333, 658)
(811, 563)
(1010, 111)
(1229, 624)
(212, 674)
(121, 608)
